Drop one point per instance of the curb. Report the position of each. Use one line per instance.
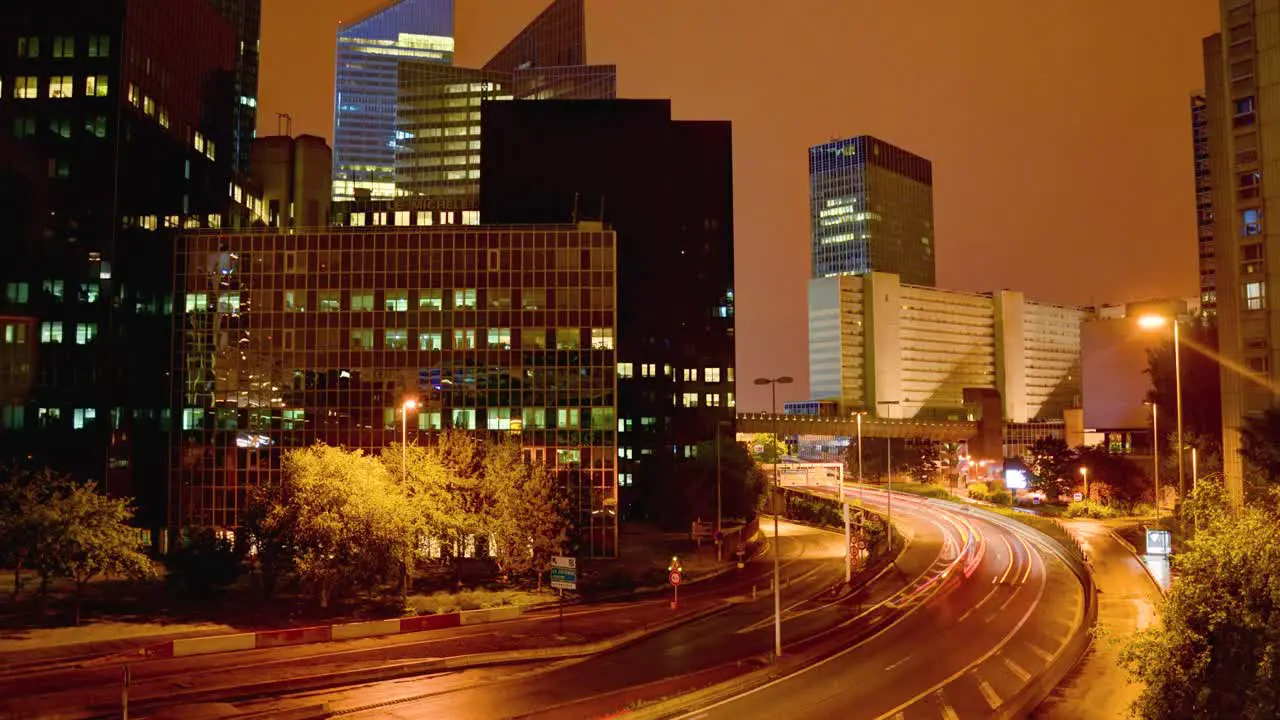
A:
(419, 667)
(1138, 556)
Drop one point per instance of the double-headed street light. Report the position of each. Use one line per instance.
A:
(888, 443)
(1154, 321)
(773, 384)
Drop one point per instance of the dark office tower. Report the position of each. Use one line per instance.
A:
(246, 17)
(666, 188)
(438, 125)
(364, 107)
(1204, 202)
(871, 210)
(118, 118)
(294, 337)
(1242, 112)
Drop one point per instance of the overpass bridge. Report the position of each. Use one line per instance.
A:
(872, 427)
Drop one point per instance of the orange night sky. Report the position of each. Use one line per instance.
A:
(1059, 131)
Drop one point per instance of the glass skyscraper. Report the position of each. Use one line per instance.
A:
(364, 118)
(871, 209)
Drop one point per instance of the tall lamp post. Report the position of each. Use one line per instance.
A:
(1084, 472)
(888, 444)
(773, 384)
(1155, 451)
(860, 503)
(408, 405)
(719, 505)
(1151, 322)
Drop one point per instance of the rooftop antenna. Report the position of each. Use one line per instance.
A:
(287, 120)
(573, 217)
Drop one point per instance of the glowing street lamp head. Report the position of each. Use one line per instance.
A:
(1084, 471)
(1151, 321)
(410, 404)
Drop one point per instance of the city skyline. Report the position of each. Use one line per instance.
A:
(970, 114)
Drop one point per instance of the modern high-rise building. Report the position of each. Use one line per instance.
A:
(246, 17)
(294, 337)
(439, 107)
(1204, 202)
(1244, 132)
(369, 51)
(666, 188)
(120, 120)
(871, 210)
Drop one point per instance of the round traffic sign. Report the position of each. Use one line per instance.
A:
(674, 577)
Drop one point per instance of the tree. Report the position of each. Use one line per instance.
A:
(205, 562)
(742, 482)
(926, 462)
(93, 537)
(1201, 399)
(875, 453)
(1051, 462)
(1215, 652)
(767, 448)
(1113, 478)
(530, 516)
(1260, 444)
(25, 519)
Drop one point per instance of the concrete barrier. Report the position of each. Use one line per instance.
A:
(214, 644)
(429, 622)
(294, 636)
(373, 628)
(498, 614)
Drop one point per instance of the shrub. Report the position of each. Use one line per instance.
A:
(1090, 509)
(204, 563)
(979, 491)
(1000, 497)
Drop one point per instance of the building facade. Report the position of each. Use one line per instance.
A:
(246, 17)
(1204, 202)
(904, 351)
(1242, 71)
(294, 176)
(294, 338)
(666, 188)
(369, 51)
(871, 210)
(119, 124)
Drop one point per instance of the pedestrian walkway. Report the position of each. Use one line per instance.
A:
(1127, 600)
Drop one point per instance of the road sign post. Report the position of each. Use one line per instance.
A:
(675, 573)
(124, 692)
(564, 576)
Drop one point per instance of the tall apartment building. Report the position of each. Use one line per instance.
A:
(666, 189)
(369, 51)
(874, 339)
(1241, 81)
(119, 126)
(289, 338)
(439, 107)
(1204, 201)
(871, 210)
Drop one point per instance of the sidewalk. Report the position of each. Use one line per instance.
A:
(1127, 602)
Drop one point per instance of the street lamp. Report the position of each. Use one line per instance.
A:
(1084, 472)
(1155, 451)
(408, 405)
(860, 503)
(1152, 321)
(888, 443)
(719, 514)
(773, 384)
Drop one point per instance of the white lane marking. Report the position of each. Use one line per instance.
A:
(948, 712)
(989, 693)
(1016, 669)
(897, 663)
(1040, 652)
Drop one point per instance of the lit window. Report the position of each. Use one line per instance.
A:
(728, 400)
(291, 419)
(690, 400)
(229, 302)
(193, 417)
(533, 299)
(535, 418)
(649, 423)
(402, 217)
(379, 218)
(568, 418)
(730, 373)
(135, 97)
(26, 88)
(357, 219)
(464, 339)
(396, 300)
(624, 479)
(567, 338)
(294, 301)
(397, 339)
(648, 370)
(51, 332)
(52, 288)
(711, 374)
(711, 400)
(1251, 222)
(602, 418)
(99, 46)
(499, 418)
(61, 86)
(429, 420)
(197, 140)
(430, 341)
(626, 453)
(83, 416)
(362, 339)
(163, 118)
(148, 106)
(28, 47)
(624, 370)
(430, 300)
(666, 370)
(424, 217)
(64, 47)
(691, 374)
(624, 424)
(197, 302)
(16, 293)
(15, 334)
(362, 302)
(49, 416)
(470, 217)
(85, 332)
(601, 338)
(500, 338)
(464, 299)
(464, 419)
(96, 86)
(60, 127)
(568, 457)
(1255, 295)
(533, 339)
(13, 417)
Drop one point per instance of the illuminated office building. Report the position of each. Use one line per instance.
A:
(1204, 202)
(369, 51)
(1243, 134)
(871, 210)
(290, 338)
